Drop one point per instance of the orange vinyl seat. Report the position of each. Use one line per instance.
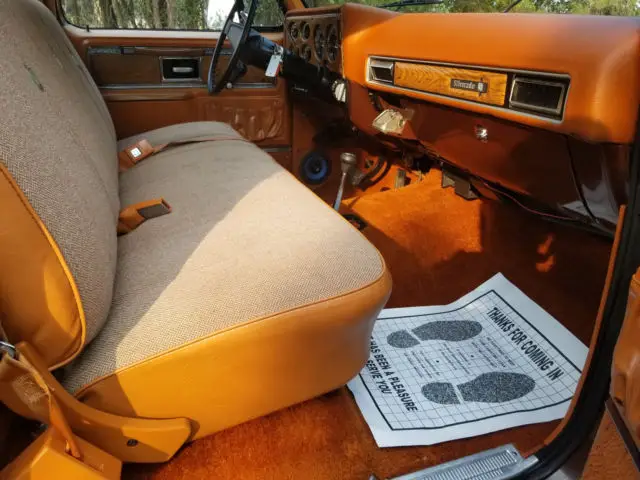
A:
(250, 296)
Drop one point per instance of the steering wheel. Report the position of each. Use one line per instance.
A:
(237, 34)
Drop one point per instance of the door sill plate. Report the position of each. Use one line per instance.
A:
(495, 464)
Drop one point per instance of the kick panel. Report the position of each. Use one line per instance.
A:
(257, 118)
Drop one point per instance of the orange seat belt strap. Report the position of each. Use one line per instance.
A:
(30, 390)
(137, 152)
(24, 390)
(134, 215)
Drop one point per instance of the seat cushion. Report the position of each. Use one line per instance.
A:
(251, 295)
(181, 132)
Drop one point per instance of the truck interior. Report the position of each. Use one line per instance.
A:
(179, 298)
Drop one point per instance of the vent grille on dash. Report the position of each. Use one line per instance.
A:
(381, 71)
(538, 95)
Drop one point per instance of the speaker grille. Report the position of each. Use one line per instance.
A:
(315, 168)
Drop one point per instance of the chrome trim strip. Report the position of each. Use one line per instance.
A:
(129, 50)
(476, 67)
(312, 17)
(276, 149)
(436, 96)
(169, 49)
(150, 86)
(257, 85)
(468, 102)
(141, 86)
(104, 51)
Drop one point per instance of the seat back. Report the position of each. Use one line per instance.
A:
(58, 188)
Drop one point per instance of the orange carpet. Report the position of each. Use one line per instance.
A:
(438, 247)
(609, 457)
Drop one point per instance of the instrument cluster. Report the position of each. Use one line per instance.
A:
(316, 39)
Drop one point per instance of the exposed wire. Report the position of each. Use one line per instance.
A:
(530, 210)
(576, 183)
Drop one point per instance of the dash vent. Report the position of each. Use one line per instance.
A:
(381, 71)
(543, 96)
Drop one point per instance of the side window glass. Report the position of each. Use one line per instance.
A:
(162, 14)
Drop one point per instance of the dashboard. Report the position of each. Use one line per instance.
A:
(576, 75)
(543, 105)
(596, 58)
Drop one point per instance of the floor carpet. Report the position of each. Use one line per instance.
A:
(438, 247)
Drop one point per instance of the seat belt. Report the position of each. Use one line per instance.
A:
(30, 390)
(133, 216)
(24, 390)
(137, 152)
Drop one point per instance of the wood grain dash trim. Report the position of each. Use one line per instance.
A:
(439, 80)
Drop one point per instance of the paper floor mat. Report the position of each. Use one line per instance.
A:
(491, 360)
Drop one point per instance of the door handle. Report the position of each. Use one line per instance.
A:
(180, 69)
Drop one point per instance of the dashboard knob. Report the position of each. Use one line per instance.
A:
(339, 89)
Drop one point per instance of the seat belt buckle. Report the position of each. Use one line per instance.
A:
(153, 208)
(135, 153)
(8, 349)
(134, 215)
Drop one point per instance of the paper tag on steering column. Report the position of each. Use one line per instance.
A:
(274, 63)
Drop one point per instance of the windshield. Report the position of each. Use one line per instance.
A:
(584, 7)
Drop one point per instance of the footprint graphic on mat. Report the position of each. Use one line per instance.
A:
(450, 330)
(493, 387)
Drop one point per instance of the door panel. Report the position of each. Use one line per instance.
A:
(625, 375)
(142, 66)
(128, 68)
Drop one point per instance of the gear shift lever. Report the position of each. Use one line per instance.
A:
(348, 163)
